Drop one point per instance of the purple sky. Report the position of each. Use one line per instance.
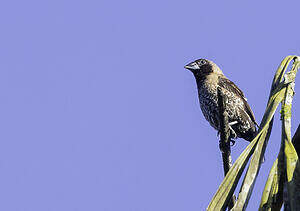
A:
(98, 113)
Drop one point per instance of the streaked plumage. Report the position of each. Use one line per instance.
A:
(209, 78)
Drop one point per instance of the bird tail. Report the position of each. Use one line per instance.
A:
(251, 134)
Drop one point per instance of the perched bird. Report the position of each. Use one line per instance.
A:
(209, 78)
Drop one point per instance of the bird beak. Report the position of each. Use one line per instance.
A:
(192, 66)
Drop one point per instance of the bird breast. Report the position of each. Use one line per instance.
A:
(208, 98)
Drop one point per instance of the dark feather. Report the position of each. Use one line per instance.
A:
(230, 86)
(210, 78)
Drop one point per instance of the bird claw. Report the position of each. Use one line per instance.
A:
(232, 142)
(232, 133)
(232, 136)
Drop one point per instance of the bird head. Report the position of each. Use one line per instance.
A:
(203, 67)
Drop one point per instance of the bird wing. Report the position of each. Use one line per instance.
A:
(230, 86)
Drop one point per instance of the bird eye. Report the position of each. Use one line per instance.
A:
(202, 62)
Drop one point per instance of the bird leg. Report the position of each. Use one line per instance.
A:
(232, 133)
(232, 123)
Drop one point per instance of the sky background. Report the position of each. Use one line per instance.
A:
(98, 113)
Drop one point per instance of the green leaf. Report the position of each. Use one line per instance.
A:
(291, 157)
(257, 146)
(272, 197)
(253, 169)
(227, 187)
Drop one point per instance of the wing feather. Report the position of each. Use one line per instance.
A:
(230, 86)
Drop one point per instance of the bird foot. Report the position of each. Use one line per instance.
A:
(232, 133)
(231, 130)
(232, 142)
(232, 123)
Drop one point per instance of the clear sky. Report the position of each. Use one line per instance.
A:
(98, 113)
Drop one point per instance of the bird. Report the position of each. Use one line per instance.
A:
(210, 78)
